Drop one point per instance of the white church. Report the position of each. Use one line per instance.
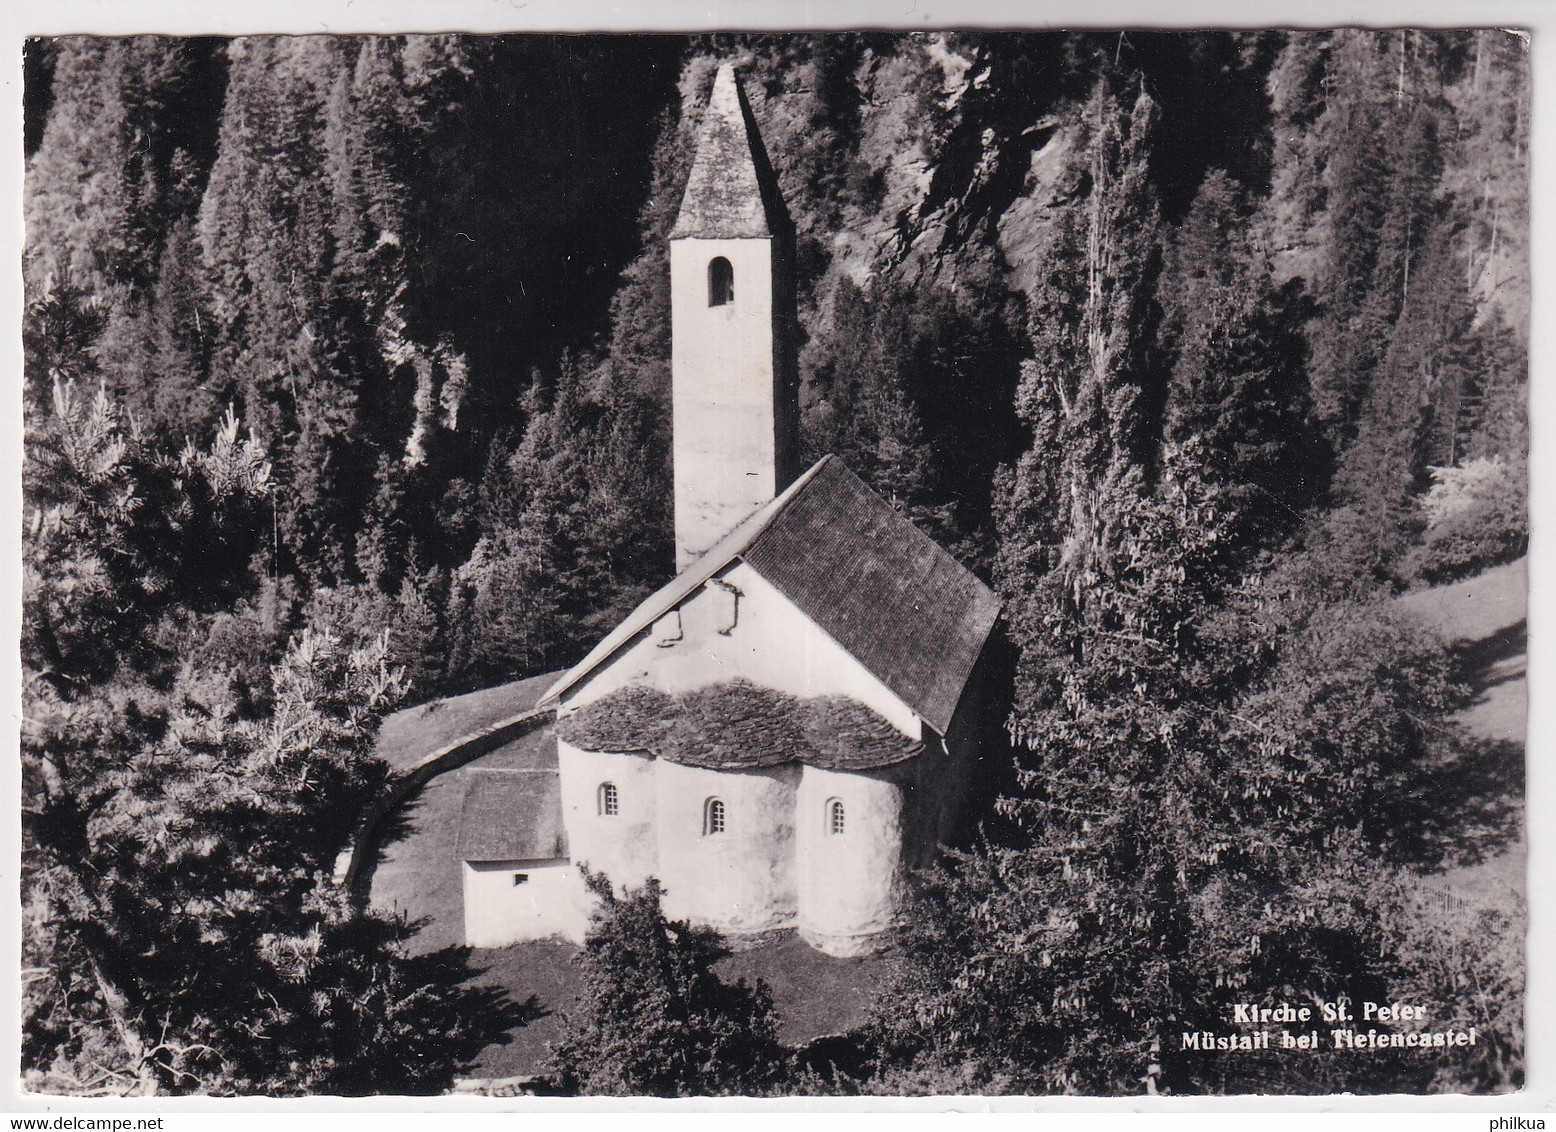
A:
(788, 724)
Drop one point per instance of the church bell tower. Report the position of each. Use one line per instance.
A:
(732, 323)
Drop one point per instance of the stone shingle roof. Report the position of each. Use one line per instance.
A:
(885, 591)
(737, 725)
(880, 587)
(844, 734)
(731, 192)
(632, 720)
(512, 815)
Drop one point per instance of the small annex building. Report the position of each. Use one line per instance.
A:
(791, 721)
(519, 881)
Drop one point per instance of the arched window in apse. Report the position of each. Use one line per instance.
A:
(712, 817)
(609, 800)
(721, 282)
(835, 818)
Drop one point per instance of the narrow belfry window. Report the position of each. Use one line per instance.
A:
(835, 819)
(721, 282)
(608, 800)
(712, 817)
(520, 878)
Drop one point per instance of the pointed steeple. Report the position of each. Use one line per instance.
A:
(734, 390)
(732, 192)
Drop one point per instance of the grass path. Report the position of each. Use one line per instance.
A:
(1483, 620)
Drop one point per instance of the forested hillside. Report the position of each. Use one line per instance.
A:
(347, 378)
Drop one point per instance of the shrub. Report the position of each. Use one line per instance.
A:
(656, 1020)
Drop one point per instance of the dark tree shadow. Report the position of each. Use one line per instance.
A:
(1465, 808)
(1481, 665)
(993, 775)
(468, 1017)
(452, 967)
(1465, 803)
(401, 1025)
(389, 820)
(396, 825)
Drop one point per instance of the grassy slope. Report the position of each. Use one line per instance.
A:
(1475, 608)
(542, 978)
(416, 732)
(1482, 618)
(814, 993)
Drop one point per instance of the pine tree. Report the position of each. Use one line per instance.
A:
(119, 535)
(1488, 172)
(1162, 782)
(573, 530)
(92, 191)
(866, 418)
(110, 179)
(59, 326)
(1237, 399)
(183, 926)
(1081, 394)
(1424, 315)
(266, 251)
(177, 396)
(180, 829)
(1295, 87)
(309, 250)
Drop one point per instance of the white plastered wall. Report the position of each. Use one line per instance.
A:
(551, 903)
(724, 430)
(771, 644)
(623, 846)
(741, 879)
(846, 879)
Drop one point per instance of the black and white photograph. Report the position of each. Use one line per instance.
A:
(879, 562)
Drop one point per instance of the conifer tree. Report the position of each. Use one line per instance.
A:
(181, 931)
(266, 252)
(110, 179)
(1068, 955)
(1488, 170)
(306, 229)
(178, 397)
(1062, 504)
(1237, 400)
(867, 419)
(93, 193)
(573, 531)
